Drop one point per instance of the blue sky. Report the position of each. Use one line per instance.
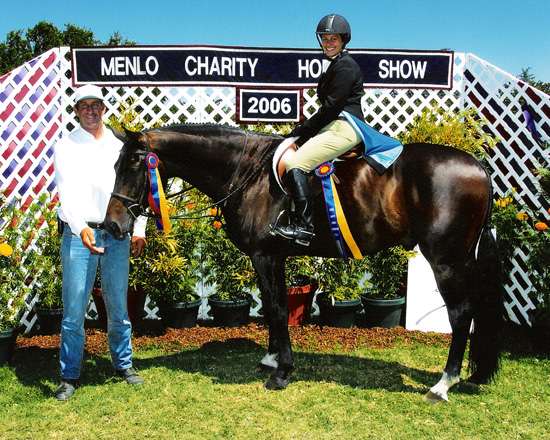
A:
(510, 34)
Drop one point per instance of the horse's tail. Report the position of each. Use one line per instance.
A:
(488, 306)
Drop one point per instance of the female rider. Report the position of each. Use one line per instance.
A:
(327, 134)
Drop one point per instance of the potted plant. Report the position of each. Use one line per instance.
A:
(384, 300)
(49, 308)
(300, 272)
(341, 283)
(167, 272)
(232, 274)
(17, 260)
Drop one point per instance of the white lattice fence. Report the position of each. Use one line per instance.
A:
(30, 123)
(37, 107)
(496, 95)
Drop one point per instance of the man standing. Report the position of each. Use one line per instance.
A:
(85, 176)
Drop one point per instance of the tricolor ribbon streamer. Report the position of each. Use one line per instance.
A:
(337, 220)
(156, 197)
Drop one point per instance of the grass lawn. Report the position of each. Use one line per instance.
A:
(202, 383)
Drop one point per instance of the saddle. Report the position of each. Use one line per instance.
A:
(287, 148)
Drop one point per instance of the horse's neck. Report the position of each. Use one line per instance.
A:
(208, 163)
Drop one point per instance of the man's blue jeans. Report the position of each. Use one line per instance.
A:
(79, 271)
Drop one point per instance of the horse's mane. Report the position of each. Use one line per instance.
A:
(209, 129)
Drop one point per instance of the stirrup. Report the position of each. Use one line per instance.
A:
(304, 240)
(275, 225)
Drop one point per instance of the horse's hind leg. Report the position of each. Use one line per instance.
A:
(279, 358)
(452, 281)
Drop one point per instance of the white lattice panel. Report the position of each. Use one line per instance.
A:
(31, 125)
(496, 95)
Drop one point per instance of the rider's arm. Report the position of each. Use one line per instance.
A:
(337, 91)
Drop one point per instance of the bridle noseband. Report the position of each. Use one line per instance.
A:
(134, 205)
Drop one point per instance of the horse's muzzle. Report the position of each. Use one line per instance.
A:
(115, 229)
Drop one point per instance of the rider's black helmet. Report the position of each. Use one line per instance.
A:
(334, 24)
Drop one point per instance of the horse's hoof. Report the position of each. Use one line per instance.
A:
(276, 383)
(262, 368)
(477, 380)
(433, 398)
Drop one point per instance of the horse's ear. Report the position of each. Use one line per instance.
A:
(131, 135)
(118, 134)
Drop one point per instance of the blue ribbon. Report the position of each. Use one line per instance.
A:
(324, 172)
(154, 198)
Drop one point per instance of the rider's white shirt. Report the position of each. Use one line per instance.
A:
(85, 177)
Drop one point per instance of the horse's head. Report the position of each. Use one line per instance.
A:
(128, 199)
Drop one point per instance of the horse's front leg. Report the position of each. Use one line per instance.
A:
(269, 362)
(279, 358)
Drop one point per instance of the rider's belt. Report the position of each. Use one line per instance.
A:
(95, 225)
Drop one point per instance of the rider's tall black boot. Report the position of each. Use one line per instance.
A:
(301, 228)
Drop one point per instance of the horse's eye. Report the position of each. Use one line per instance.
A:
(135, 158)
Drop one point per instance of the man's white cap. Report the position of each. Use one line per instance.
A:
(88, 91)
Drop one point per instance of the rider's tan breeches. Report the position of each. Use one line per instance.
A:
(333, 140)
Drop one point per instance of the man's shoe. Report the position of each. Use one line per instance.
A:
(131, 376)
(65, 390)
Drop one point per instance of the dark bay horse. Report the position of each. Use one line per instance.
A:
(434, 196)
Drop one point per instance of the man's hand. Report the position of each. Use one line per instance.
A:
(88, 240)
(138, 243)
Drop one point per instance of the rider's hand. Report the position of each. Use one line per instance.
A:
(88, 239)
(138, 243)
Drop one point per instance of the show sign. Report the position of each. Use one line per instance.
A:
(238, 66)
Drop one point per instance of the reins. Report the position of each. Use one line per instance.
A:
(217, 204)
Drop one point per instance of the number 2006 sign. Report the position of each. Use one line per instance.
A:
(256, 105)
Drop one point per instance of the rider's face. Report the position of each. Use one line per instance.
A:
(332, 44)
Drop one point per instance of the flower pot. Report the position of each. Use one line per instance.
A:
(385, 313)
(49, 320)
(339, 314)
(179, 314)
(7, 344)
(229, 313)
(299, 303)
(136, 303)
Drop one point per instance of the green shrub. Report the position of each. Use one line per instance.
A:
(225, 266)
(342, 280)
(462, 130)
(18, 258)
(49, 281)
(388, 269)
(168, 268)
(518, 227)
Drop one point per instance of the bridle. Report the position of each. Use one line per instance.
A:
(135, 206)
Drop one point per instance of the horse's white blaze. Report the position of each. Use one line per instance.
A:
(440, 389)
(270, 360)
